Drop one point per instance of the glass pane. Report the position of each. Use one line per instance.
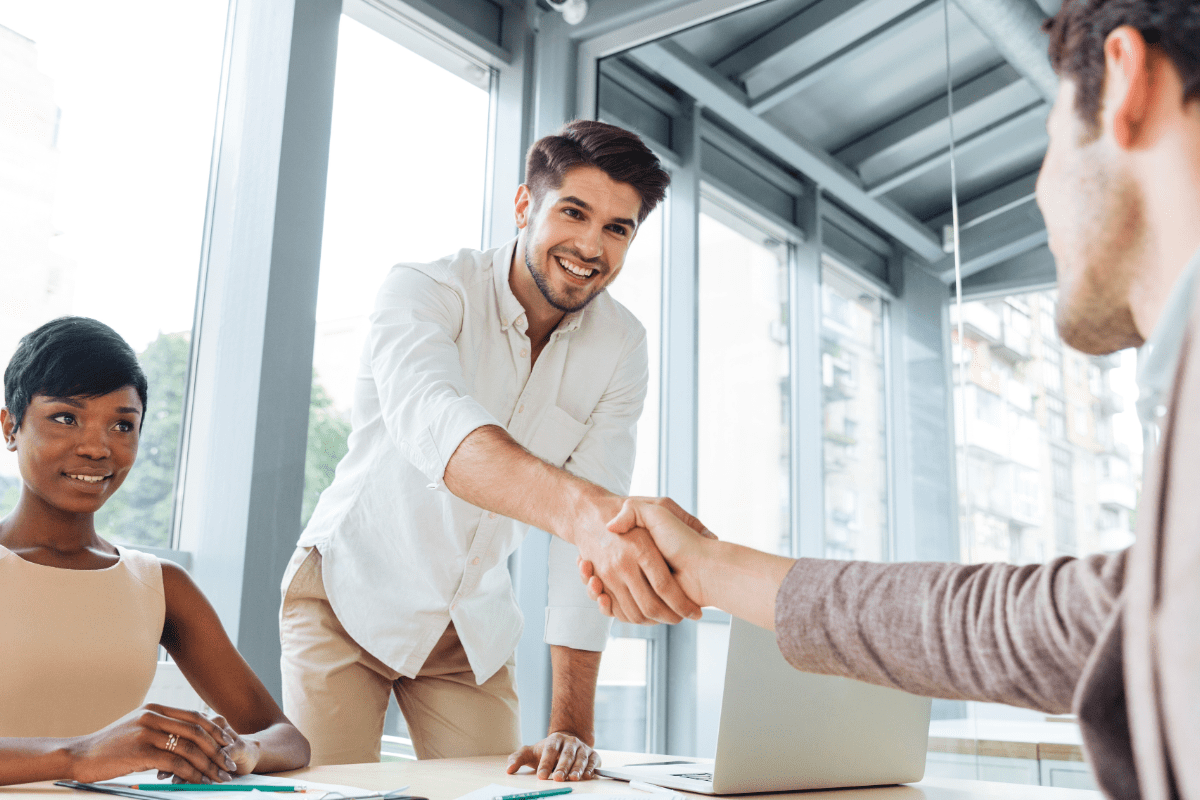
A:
(622, 695)
(854, 418)
(743, 388)
(104, 166)
(639, 288)
(1053, 450)
(1049, 463)
(397, 191)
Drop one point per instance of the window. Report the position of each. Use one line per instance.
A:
(743, 387)
(385, 174)
(1073, 463)
(639, 289)
(854, 413)
(105, 148)
(623, 694)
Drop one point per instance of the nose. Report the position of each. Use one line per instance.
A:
(93, 443)
(590, 243)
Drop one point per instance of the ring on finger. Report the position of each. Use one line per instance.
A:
(172, 740)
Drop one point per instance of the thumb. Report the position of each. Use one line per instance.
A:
(624, 521)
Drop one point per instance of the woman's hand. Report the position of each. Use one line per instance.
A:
(185, 744)
(244, 752)
(678, 536)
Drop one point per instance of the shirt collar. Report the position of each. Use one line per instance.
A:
(512, 313)
(1158, 356)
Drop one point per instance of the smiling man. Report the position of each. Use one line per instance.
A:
(496, 388)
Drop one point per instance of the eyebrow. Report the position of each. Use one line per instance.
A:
(73, 403)
(573, 200)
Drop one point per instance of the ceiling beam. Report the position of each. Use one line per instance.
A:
(984, 136)
(897, 26)
(793, 36)
(996, 239)
(980, 209)
(1014, 27)
(992, 94)
(619, 25)
(1028, 272)
(726, 101)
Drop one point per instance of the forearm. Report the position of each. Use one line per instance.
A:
(573, 698)
(741, 580)
(490, 470)
(24, 760)
(281, 747)
(991, 632)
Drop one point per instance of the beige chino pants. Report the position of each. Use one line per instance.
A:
(336, 692)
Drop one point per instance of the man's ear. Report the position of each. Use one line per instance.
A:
(523, 205)
(1127, 84)
(10, 430)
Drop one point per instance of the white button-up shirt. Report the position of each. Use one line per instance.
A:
(447, 353)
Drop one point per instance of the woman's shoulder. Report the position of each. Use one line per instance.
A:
(145, 567)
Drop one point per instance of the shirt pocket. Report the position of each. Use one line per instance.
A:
(557, 436)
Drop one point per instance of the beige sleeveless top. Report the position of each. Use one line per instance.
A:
(78, 648)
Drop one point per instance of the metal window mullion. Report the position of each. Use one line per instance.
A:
(679, 429)
(807, 454)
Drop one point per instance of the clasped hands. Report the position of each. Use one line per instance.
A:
(637, 569)
(185, 745)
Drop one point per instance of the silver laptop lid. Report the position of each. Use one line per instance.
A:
(784, 730)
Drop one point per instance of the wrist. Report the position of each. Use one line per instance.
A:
(584, 508)
(588, 738)
(68, 758)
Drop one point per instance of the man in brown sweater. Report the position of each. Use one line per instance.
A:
(1114, 637)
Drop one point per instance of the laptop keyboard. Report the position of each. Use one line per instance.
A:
(695, 776)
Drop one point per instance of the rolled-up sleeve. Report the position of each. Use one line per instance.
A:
(605, 457)
(415, 363)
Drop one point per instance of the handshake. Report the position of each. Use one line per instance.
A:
(648, 562)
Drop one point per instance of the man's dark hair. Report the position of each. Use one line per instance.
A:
(70, 357)
(620, 154)
(1078, 30)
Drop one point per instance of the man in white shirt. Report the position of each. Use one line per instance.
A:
(495, 388)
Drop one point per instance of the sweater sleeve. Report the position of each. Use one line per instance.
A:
(990, 632)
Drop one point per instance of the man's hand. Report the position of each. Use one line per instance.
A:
(560, 756)
(676, 533)
(630, 566)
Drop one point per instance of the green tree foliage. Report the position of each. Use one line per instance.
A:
(140, 511)
(327, 434)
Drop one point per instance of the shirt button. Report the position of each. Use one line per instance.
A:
(491, 515)
(474, 560)
(524, 353)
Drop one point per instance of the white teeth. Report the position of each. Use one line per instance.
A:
(574, 270)
(88, 478)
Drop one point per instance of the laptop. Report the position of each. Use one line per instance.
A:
(782, 730)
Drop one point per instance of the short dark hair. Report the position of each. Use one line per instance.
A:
(1078, 30)
(70, 357)
(620, 154)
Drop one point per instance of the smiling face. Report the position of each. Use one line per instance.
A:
(1095, 221)
(576, 236)
(73, 452)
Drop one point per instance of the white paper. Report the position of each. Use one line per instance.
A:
(493, 790)
(315, 790)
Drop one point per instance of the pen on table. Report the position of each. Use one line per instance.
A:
(531, 795)
(213, 787)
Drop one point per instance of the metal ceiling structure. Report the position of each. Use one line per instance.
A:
(849, 96)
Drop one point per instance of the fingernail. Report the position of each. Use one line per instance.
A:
(223, 775)
(230, 763)
(228, 739)
(205, 779)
